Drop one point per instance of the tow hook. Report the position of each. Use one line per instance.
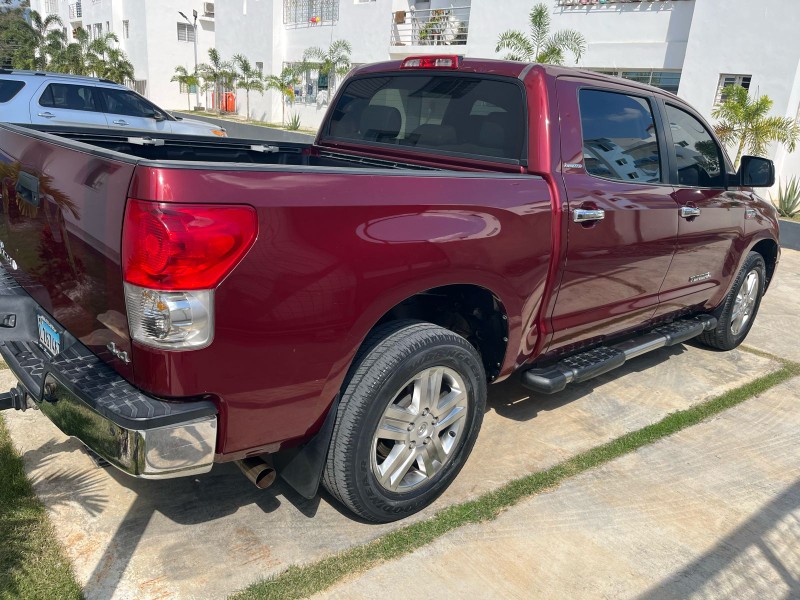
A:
(16, 398)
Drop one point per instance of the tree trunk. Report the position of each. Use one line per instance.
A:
(247, 95)
(188, 99)
(742, 142)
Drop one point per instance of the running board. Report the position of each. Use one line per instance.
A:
(594, 362)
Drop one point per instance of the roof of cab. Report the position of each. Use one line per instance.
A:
(511, 68)
(22, 73)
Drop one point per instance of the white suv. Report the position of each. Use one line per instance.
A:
(59, 99)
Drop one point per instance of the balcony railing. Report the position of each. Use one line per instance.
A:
(603, 2)
(431, 27)
(310, 13)
(75, 11)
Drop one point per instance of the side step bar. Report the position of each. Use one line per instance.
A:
(594, 362)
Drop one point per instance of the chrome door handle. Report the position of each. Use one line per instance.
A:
(688, 212)
(47, 115)
(581, 215)
(120, 122)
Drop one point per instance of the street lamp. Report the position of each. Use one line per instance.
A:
(194, 29)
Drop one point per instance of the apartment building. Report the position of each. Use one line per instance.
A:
(152, 33)
(690, 47)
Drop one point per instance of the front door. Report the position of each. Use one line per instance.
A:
(128, 110)
(711, 224)
(622, 221)
(68, 104)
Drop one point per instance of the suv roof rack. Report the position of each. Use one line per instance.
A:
(104, 80)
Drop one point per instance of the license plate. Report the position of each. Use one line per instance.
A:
(49, 336)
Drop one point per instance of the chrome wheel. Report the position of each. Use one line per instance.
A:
(420, 429)
(745, 302)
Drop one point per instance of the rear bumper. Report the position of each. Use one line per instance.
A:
(85, 398)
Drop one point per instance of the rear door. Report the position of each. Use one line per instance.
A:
(67, 104)
(127, 110)
(623, 222)
(711, 223)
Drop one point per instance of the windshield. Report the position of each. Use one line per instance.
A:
(457, 113)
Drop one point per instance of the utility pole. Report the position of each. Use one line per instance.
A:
(194, 29)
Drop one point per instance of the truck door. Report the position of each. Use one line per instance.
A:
(68, 104)
(622, 221)
(711, 223)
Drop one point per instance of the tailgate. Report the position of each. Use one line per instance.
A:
(60, 228)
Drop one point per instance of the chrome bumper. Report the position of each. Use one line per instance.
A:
(175, 450)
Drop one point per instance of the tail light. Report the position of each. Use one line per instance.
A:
(173, 256)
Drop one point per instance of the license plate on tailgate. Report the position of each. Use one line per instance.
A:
(49, 336)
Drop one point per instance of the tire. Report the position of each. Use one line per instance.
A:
(384, 479)
(736, 315)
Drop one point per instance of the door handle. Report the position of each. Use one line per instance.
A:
(122, 122)
(582, 215)
(47, 115)
(689, 212)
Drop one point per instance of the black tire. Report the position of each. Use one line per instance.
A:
(383, 371)
(722, 336)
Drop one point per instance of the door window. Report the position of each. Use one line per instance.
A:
(121, 102)
(9, 89)
(70, 97)
(619, 137)
(698, 155)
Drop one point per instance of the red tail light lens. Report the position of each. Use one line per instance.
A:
(431, 62)
(184, 246)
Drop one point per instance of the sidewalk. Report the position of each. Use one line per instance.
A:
(711, 512)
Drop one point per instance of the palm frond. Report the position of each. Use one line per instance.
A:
(517, 44)
(539, 20)
(571, 40)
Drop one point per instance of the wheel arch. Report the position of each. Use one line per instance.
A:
(769, 250)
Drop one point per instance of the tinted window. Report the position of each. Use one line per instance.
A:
(9, 89)
(71, 97)
(619, 137)
(699, 157)
(120, 102)
(462, 114)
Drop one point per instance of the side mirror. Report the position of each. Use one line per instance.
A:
(158, 116)
(755, 171)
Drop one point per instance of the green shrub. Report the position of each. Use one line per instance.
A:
(788, 198)
(294, 122)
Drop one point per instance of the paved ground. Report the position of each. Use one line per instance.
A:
(711, 512)
(244, 130)
(210, 535)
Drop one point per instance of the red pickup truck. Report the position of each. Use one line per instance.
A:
(333, 311)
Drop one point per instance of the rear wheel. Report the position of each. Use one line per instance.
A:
(740, 307)
(408, 418)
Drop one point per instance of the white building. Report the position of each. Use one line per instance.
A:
(152, 33)
(692, 47)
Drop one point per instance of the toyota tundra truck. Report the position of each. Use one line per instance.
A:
(332, 312)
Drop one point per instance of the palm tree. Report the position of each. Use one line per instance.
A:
(331, 62)
(37, 42)
(284, 84)
(215, 72)
(248, 79)
(186, 79)
(118, 68)
(745, 124)
(541, 47)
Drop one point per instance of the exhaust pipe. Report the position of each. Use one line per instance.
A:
(259, 470)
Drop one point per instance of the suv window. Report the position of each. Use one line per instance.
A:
(619, 137)
(698, 155)
(462, 114)
(122, 102)
(9, 89)
(71, 97)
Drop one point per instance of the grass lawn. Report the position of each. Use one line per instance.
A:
(32, 563)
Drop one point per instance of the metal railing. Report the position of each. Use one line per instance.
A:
(601, 2)
(308, 13)
(75, 11)
(431, 27)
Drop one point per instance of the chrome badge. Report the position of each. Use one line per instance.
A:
(701, 277)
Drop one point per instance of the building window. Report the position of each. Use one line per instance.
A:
(192, 88)
(727, 80)
(666, 80)
(260, 68)
(125, 29)
(98, 31)
(139, 86)
(185, 32)
(51, 7)
(309, 13)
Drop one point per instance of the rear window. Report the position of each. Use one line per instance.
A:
(9, 89)
(460, 114)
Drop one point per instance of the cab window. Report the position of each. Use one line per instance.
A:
(619, 137)
(698, 156)
(122, 102)
(70, 97)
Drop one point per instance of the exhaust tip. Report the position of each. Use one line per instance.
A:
(258, 470)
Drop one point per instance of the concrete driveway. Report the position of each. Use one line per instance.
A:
(214, 534)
